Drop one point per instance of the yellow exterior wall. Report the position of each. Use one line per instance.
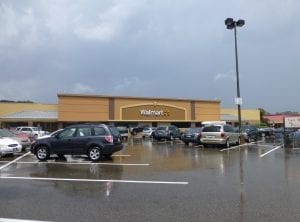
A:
(251, 115)
(74, 107)
(207, 111)
(82, 108)
(9, 108)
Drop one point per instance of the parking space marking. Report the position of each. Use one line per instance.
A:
(235, 147)
(86, 163)
(264, 154)
(15, 160)
(95, 180)
(19, 220)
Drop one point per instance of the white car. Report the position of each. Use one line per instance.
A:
(9, 146)
(147, 131)
(32, 131)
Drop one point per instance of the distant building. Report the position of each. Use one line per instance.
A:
(248, 116)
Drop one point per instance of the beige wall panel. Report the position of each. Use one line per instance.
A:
(206, 111)
(80, 109)
(82, 117)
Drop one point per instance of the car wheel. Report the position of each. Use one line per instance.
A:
(42, 153)
(95, 153)
(186, 143)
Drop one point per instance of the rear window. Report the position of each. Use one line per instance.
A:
(100, 131)
(211, 129)
(114, 131)
(194, 130)
(162, 128)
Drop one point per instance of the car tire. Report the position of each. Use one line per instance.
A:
(186, 143)
(42, 153)
(95, 153)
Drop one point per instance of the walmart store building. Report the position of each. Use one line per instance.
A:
(118, 110)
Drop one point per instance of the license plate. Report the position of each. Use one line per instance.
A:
(15, 149)
(210, 136)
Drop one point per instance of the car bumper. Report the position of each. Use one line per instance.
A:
(10, 150)
(213, 141)
(190, 139)
(112, 149)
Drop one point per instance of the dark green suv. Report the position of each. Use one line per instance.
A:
(93, 140)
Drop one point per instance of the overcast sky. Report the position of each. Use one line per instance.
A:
(151, 48)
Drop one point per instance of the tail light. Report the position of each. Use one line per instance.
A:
(222, 135)
(109, 139)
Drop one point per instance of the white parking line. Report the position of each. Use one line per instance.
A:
(86, 163)
(19, 220)
(15, 160)
(91, 180)
(262, 155)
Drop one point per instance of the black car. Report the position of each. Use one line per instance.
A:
(93, 140)
(249, 133)
(167, 133)
(192, 135)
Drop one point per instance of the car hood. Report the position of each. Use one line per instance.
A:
(7, 141)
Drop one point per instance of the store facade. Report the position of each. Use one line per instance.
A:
(76, 108)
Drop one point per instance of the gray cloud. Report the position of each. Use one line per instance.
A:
(150, 48)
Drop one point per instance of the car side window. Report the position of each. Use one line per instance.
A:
(67, 133)
(100, 131)
(83, 131)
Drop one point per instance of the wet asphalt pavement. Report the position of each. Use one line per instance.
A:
(151, 181)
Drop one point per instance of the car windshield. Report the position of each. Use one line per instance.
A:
(193, 130)
(211, 129)
(162, 128)
(6, 133)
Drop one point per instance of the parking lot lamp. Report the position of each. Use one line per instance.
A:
(231, 24)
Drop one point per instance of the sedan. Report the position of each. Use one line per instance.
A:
(9, 146)
(192, 135)
(22, 138)
(148, 131)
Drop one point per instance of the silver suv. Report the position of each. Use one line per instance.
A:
(219, 134)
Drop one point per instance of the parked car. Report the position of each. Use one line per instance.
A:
(136, 129)
(250, 133)
(192, 135)
(22, 138)
(148, 131)
(221, 134)
(123, 130)
(9, 146)
(35, 132)
(167, 132)
(93, 140)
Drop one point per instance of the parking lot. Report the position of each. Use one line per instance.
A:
(156, 181)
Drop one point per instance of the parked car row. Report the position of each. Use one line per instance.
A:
(214, 133)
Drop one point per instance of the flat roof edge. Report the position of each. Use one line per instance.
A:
(135, 97)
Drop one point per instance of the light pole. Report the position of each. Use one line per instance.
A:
(231, 24)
